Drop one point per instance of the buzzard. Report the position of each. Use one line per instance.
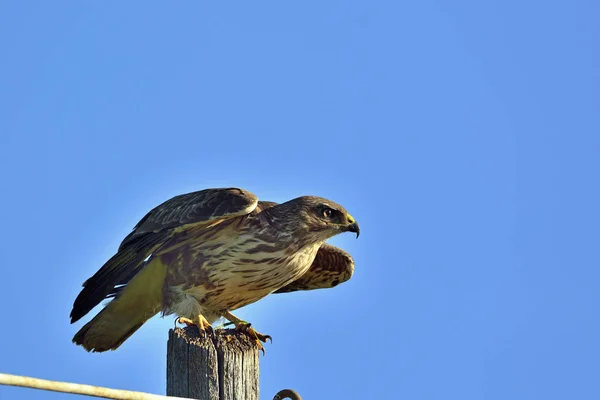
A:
(205, 254)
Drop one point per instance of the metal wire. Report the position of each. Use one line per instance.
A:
(75, 388)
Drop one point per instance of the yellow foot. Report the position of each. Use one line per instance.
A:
(201, 323)
(258, 337)
(247, 328)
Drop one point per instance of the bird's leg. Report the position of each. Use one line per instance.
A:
(200, 322)
(246, 327)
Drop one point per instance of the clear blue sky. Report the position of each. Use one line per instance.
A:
(464, 136)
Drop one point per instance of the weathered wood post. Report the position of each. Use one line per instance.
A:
(222, 367)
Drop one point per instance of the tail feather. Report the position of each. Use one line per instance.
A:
(107, 331)
(139, 301)
(118, 270)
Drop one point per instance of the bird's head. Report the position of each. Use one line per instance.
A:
(318, 217)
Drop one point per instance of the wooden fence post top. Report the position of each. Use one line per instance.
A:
(221, 337)
(223, 366)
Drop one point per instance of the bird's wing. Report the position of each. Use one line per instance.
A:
(331, 267)
(152, 230)
(194, 208)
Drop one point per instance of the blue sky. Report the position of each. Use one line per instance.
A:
(464, 137)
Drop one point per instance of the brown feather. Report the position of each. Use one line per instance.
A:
(331, 267)
(139, 301)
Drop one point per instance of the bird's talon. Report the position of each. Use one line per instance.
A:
(264, 338)
(184, 321)
(204, 328)
(246, 327)
(258, 337)
(260, 346)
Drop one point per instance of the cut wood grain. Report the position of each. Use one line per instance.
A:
(219, 367)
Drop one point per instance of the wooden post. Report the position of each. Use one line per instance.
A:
(223, 367)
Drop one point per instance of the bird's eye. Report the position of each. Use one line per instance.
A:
(327, 213)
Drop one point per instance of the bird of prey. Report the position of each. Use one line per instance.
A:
(205, 254)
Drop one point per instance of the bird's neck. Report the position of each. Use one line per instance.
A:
(282, 226)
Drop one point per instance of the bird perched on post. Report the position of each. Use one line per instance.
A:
(205, 254)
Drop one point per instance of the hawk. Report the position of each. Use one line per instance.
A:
(205, 254)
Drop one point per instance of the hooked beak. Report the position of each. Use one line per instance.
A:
(352, 226)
